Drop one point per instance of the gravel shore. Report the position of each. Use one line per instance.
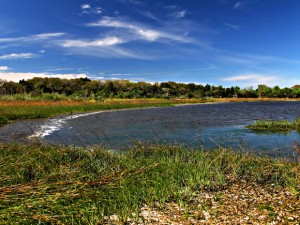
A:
(239, 202)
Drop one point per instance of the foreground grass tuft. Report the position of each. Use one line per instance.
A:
(71, 185)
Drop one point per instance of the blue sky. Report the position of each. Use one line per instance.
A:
(220, 42)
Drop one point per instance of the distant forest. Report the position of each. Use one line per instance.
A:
(84, 88)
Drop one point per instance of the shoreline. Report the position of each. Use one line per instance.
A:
(54, 123)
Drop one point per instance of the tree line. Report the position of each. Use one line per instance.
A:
(99, 89)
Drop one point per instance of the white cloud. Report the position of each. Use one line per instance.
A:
(139, 31)
(108, 41)
(247, 77)
(32, 38)
(3, 68)
(18, 56)
(16, 77)
(47, 35)
(253, 79)
(88, 9)
(101, 49)
(149, 35)
(85, 6)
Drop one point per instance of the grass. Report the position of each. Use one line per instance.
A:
(275, 126)
(18, 107)
(16, 110)
(43, 184)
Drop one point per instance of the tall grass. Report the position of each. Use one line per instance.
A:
(15, 110)
(70, 185)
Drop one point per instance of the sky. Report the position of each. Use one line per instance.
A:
(218, 42)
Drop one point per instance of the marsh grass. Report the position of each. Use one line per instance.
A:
(26, 106)
(271, 125)
(275, 126)
(16, 110)
(70, 185)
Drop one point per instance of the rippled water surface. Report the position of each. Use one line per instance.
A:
(194, 125)
(206, 125)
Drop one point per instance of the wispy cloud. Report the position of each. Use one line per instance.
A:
(241, 5)
(16, 77)
(232, 26)
(47, 35)
(32, 38)
(108, 47)
(3, 68)
(253, 79)
(88, 9)
(108, 41)
(18, 56)
(251, 59)
(82, 47)
(179, 14)
(149, 15)
(206, 68)
(139, 31)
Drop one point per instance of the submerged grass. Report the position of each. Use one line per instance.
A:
(70, 185)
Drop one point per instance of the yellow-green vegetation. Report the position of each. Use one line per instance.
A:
(15, 110)
(275, 126)
(43, 184)
(12, 108)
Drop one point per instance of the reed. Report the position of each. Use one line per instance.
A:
(42, 184)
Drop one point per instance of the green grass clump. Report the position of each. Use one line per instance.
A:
(70, 185)
(275, 126)
(271, 125)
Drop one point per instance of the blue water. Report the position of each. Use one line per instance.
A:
(203, 125)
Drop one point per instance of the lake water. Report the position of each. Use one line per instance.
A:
(207, 125)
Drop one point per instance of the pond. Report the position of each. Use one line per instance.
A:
(201, 125)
